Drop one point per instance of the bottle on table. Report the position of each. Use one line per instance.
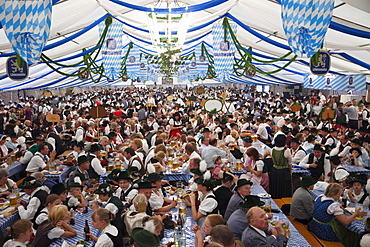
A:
(183, 238)
(87, 230)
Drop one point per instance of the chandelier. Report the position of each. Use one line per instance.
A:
(168, 30)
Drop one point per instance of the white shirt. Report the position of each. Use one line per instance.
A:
(156, 201)
(36, 162)
(304, 163)
(96, 165)
(208, 204)
(32, 206)
(104, 240)
(79, 134)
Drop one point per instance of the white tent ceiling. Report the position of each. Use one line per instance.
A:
(263, 16)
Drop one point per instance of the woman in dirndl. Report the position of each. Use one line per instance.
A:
(281, 177)
(176, 125)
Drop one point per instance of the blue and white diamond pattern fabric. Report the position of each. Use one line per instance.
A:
(27, 25)
(202, 61)
(133, 63)
(305, 23)
(223, 52)
(112, 50)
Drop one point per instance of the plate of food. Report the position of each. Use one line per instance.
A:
(8, 212)
(4, 205)
(55, 172)
(264, 195)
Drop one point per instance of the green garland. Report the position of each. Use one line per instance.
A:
(246, 57)
(88, 59)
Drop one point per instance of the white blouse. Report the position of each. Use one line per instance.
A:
(156, 201)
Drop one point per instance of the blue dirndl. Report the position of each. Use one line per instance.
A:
(320, 224)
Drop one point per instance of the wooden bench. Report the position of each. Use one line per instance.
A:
(311, 238)
(287, 200)
(279, 202)
(304, 232)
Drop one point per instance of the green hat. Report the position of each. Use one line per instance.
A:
(123, 175)
(104, 189)
(251, 201)
(29, 183)
(144, 238)
(205, 179)
(242, 182)
(307, 181)
(143, 185)
(362, 182)
(74, 185)
(114, 174)
(68, 124)
(82, 159)
(133, 171)
(94, 148)
(196, 171)
(153, 177)
(58, 189)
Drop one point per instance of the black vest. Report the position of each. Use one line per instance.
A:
(41, 239)
(117, 221)
(148, 138)
(117, 240)
(41, 195)
(59, 143)
(92, 173)
(319, 170)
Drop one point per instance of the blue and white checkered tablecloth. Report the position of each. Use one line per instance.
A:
(15, 168)
(177, 176)
(189, 223)
(296, 239)
(79, 227)
(8, 221)
(356, 169)
(316, 193)
(62, 176)
(294, 171)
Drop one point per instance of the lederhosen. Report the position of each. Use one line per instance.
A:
(142, 169)
(117, 221)
(317, 172)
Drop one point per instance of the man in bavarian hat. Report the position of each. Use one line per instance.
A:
(302, 203)
(144, 238)
(83, 164)
(242, 188)
(114, 204)
(317, 163)
(238, 220)
(37, 200)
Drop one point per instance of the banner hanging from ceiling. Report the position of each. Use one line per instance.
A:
(133, 63)
(112, 50)
(202, 62)
(223, 52)
(343, 83)
(26, 24)
(305, 24)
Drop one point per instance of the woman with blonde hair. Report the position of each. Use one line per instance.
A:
(328, 216)
(55, 227)
(110, 236)
(135, 218)
(19, 233)
(210, 222)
